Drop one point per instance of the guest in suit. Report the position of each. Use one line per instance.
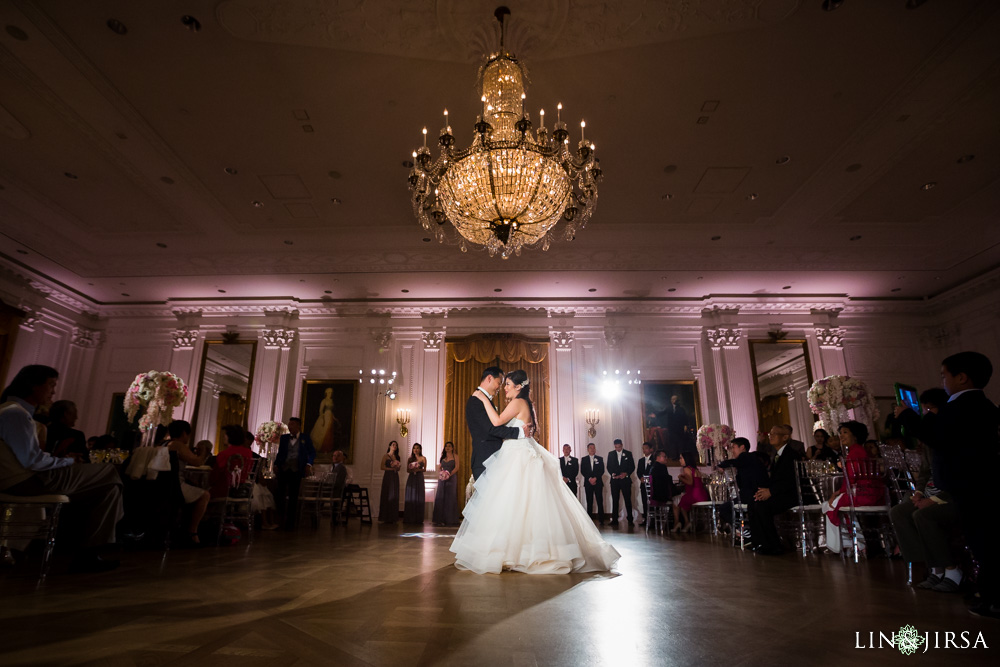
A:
(797, 445)
(778, 496)
(388, 506)
(293, 462)
(413, 503)
(643, 470)
(621, 465)
(964, 432)
(570, 467)
(592, 469)
(659, 477)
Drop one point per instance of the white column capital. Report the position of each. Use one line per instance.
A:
(88, 338)
(277, 338)
(185, 339)
(830, 337)
(563, 340)
(432, 340)
(724, 338)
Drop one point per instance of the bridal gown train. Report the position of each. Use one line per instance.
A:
(523, 517)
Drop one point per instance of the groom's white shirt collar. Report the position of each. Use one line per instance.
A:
(489, 395)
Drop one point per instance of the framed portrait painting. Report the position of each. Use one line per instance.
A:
(671, 415)
(329, 415)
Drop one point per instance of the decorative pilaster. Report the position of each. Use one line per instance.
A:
(432, 340)
(277, 338)
(185, 339)
(563, 340)
(830, 337)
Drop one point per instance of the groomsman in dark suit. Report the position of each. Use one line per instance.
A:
(779, 496)
(570, 467)
(592, 469)
(293, 462)
(621, 465)
(644, 468)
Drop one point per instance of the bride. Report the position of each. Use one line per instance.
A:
(522, 516)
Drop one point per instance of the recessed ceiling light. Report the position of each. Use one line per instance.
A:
(22, 252)
(91, 284)
(336, 200)
(672, 289)
(830, 5)
(787, 287)
(592, 289)
(851, 168)
(784, 159)
(307, 128)
(126, 294)
(928, 186)
(191, 23)
(667, 196)
(161, 245)
(497, 289)
(326, 291)
(716, 238)
(289, 242)
(895, 289)
(405, 291)
(670, 168)
(302, 280)
(700, 278)
(425, 240)
(70, 175)
(167, 180)
(222, 291)
(702, 120)
(256, 203)
(122, 284)
(752, 196)
(966, 158)
(117, 26)
(17, 33)
(232, 171)
(856, 237)
(333, 174)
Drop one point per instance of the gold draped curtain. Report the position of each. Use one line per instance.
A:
(232, 411)
(773, 411)
(467, 359)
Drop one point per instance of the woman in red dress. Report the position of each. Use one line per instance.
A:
(867, 491)
(694, 492)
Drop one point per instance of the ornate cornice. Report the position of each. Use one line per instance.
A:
(724, 338)
(831, 337)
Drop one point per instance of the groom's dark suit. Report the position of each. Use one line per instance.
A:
(486, 438)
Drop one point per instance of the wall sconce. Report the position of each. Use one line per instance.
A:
(403, 418)
(593, 418)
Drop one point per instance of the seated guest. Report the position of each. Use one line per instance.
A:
(662, 484)
(62, 438)
(232, 445)
(797, 445)
(339, 473)
(180, 443)
(750, 471)
(694, 491)
(871, 447)
(778, 496)
(821, 451)
(866, 491)
(95, 491)
(204, 449)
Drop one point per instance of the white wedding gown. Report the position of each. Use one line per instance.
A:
(523, 517)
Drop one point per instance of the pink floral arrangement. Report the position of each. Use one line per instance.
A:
(715, 436)
(270, 432)
(831, 397)
(157, 391)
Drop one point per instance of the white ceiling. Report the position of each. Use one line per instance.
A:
(870, 102)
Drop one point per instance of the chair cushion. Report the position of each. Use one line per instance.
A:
(29, 500)
(703, 503)
(866, 508)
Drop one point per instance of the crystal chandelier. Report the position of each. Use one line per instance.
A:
(510, 187)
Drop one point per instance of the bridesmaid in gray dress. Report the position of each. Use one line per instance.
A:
(446, 498)
(388, 505)
(413, 507)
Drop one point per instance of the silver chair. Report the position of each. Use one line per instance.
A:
(739, 507)
(27, 518)
(901, 480)
(658, 516)
(716, 496)
(810, 484)
(860, 475)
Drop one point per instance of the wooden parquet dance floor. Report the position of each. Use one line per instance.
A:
(383, 595)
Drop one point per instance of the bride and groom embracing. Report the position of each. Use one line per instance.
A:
(521, 517)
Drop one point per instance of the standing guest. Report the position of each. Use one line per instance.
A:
(570, 467)
(293, 462)
(233, 438)
(180, 442)
(413, 505)
(662, 484)
(446, 497)
(694, 492)
(592, 469)
(866, 492)
(62, 438)
(780, 494)
(965, 453)
(621, 465)
(642, 471)
(95, 491)
(388, 506)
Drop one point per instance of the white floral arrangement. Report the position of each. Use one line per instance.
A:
(157, 391)
(270, 432)
(715, 436)
(831, 397)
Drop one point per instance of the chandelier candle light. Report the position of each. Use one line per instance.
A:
(269, 435)
(511, 186)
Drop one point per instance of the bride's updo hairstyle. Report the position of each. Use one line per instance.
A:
(520, 379)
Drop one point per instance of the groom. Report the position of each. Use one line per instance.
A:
(486, 438)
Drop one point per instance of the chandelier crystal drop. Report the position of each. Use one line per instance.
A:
(511, 186)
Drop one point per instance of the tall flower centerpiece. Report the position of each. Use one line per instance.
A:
(159, 392)
(834, 396)
(269, 435)
(714, 438)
